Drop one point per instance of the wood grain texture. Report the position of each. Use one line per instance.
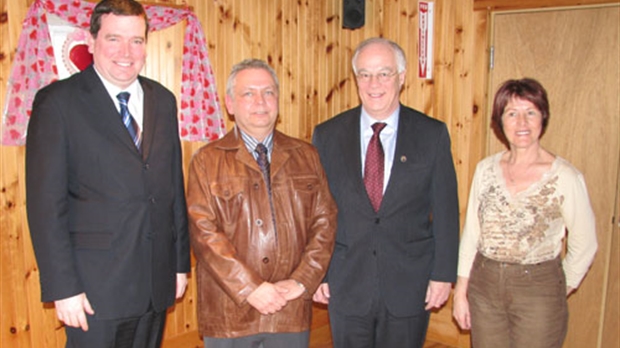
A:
(305, 43)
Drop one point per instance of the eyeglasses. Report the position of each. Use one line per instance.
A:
(382, 77)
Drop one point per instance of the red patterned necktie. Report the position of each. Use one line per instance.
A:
(374, 166)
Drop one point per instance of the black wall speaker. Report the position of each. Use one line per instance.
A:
(353, 13)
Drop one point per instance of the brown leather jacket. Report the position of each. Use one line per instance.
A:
(234, 240)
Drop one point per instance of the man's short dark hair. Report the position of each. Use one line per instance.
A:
(119, 8)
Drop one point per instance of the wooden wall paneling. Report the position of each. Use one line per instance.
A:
(445, 33)
(609, 330)
(19, 298)
(6, 303)
(218, 16)
(16, 325)
(307, 68)
(502, 5)
(468, 140)
(273, 41)
(311, 52)
(328, 91)
(405, 33)
(297, 77)
(315, 64)
(479, 126)
(329, 54)
(213, 37)
(305, 71)
(288, 59)
(349, 39)
(244, 26)
(6, 307)
(440, 108)
(452, 104)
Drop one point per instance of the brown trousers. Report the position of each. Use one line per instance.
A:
(517, 306)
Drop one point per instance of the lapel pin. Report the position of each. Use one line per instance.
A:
(403, 159)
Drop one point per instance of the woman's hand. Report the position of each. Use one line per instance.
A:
(460, 304)
(460, 312)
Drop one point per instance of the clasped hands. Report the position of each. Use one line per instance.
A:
(270, 298)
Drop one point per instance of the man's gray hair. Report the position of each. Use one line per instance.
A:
(399, 54)
(251, 63)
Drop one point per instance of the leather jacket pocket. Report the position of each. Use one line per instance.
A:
(305, 191)
(229, 196)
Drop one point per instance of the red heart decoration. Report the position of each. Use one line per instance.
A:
(80, 57)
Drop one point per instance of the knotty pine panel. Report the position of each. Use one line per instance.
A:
(305, 43)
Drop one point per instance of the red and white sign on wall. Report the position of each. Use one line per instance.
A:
(425, 39)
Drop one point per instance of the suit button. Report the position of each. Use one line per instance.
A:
(146, 166)
(256, 186)
(374, 253)
(265, 260)
(259, 222)
(377, 221)
(152, 199)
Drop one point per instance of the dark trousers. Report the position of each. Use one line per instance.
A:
(378, 328)
(514, 305)
(145, 331)
(262, 340)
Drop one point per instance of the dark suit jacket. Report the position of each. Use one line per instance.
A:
(105, 219)
(414, 236)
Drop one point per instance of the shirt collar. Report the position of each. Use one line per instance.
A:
(251, 142)
(134, 89)
(366, 121)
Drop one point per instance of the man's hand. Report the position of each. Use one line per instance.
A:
(437, 294)
(322, 294)
(181, 284)
(72, 311)
(267, 298)
(293, 289)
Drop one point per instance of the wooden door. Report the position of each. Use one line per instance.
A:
(574, 53)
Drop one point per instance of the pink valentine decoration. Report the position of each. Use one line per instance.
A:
(200, 116)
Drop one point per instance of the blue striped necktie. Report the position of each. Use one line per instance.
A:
(128, 120)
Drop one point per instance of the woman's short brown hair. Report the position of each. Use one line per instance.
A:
(526, 89)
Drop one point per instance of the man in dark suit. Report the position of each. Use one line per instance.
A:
(105, 196)
(395, 187)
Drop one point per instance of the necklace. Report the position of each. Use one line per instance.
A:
(513, 177)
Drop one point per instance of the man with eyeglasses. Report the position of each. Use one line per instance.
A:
(390, 170)
(261, 220)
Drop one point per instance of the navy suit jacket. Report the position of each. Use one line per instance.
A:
(104, 218)
(413, 238)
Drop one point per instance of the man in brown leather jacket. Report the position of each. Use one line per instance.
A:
(263, 234)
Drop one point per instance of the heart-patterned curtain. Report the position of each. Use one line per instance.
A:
(200, 116)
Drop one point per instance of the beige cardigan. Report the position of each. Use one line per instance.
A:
(529, 227)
